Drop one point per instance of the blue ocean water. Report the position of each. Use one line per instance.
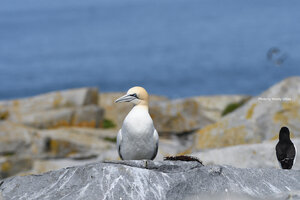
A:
(176, 48)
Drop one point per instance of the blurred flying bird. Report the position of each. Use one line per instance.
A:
(274, 56)
(271, 52)
(137, 139)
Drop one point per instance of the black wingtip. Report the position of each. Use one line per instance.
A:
(183, 158)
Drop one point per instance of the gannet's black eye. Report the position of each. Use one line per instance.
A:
(134, 95)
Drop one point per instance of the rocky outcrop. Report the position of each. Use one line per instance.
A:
(73, 143)
(23, 148)
(15, 138)
(12, 165)
(260, 155)
(185, 115)
(154, 180)
(76, 107)
(172, 116)
(15, 148)
(53, 100)
(258, 120)
(57, 129)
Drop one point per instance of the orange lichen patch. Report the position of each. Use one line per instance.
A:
(91, 124)
(57, 100)
(6, 166)
(250, 111)
(60, 124)
(4, 115)
(63, 123)
(58, 146)
(54, 146)
(222, 136)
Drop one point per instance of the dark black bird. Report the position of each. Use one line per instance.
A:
(285, 149)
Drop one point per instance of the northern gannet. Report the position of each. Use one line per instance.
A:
(285, 149)
(137, 139)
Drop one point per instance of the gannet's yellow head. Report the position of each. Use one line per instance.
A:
(136, 95)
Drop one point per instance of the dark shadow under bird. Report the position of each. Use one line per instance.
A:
(285, 149)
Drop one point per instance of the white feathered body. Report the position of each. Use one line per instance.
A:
(137, 138)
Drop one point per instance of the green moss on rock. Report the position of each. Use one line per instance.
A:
(107, 123)
(233, 106)
(109, 139)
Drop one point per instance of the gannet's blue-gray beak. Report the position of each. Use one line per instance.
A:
(125, 98)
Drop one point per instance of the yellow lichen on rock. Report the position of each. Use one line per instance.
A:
(56, 147)
(89, 124)
(16, 103)
(250, 111)
(57, 100)
(276, 136)
(281, 118)
(60, 124)
(220, 135)
(4, 115)
(289, 112)
(6, 166)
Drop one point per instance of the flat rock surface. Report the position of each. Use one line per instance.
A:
(154, 180)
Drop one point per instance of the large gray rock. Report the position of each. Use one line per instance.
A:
(258, 120)
(154, 180)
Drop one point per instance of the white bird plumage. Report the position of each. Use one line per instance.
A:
(137, 139)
